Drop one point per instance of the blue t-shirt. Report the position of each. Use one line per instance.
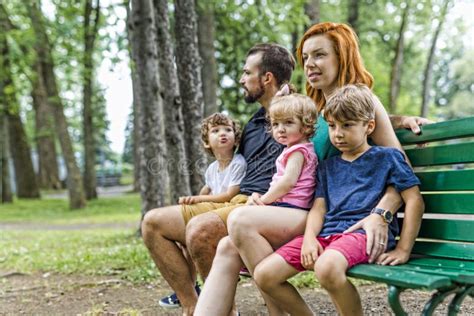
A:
(260, 151)
(352, 189)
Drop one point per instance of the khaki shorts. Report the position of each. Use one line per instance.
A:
(221, 209)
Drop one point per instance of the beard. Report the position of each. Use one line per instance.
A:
(252, 97)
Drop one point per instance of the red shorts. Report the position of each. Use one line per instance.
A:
(352, 246)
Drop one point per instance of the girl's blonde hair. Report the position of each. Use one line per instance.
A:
(295, 105)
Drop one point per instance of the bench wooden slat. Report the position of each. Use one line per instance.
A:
(439, 131)
(455, 203)
(455, 230)
(398, 277)
(446, 180)
(462, 251)
(442, 155)
(444, 263)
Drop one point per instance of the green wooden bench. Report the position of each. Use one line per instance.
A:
(443, 255)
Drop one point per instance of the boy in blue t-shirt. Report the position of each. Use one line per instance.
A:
(349, 186)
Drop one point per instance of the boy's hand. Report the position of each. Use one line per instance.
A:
(188, 200)
(377, 234)
(254, 199)
(310, 252)
(393, 258)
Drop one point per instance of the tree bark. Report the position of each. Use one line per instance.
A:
(206, 39)
(312, 8)
(154, 185)
(43, 50)
(5, 188)
(137, 103)
(397, 63)
(48, 173)
(91, 26)
(428, 73)
(189, 76)
(26, 182)
(174, 131)
(353, 15)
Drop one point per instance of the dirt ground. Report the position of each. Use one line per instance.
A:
(51, 294)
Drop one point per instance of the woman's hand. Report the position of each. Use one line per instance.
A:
(394, 257)
(377, 234)
(413, 123)
(310, 252)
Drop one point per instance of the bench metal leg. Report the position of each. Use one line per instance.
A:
(436, 299)
(456, 302)
(394, 300)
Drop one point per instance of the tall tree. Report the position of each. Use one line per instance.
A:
(26, 181)
(428, 73)
(91, 27)
(206, 39)
(174, 131)
(44, 131)
(5, 189)
(353, 14)
(312, 9)
(137, 103)
(190, 86)
(154, 180)
(43, 50)
(397, 63)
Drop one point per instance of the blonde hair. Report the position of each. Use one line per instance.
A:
(295, 105)
(217, 119)
(354, 102)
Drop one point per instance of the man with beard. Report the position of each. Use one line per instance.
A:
(200, 226)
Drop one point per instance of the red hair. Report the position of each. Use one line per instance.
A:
(351, 67)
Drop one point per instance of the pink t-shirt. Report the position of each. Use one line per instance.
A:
(302, 193)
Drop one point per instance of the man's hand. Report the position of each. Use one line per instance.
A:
(377, 234)
(393, 258)
(254, 199)
(189, 200)
(310, 252)
(413, 123)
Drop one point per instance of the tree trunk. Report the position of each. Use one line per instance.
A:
(428, 74)
(206, 37)
(174, 131)
(397, 62)
(137, 103)
(5, 189)
(44, 129)
(353, 15)
(154, 185)
(189, 76)
(91, 25)
(26, 182)
(312, 9)
(43, 50)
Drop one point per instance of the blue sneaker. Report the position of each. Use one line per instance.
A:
(172, 301)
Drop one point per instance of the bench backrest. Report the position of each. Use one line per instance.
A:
(446, 170)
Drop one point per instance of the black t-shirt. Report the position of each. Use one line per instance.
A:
(260, 151)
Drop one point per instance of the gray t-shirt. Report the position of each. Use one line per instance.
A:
(220, 181)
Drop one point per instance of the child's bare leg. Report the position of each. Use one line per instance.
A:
(271, 275)
(330, 270)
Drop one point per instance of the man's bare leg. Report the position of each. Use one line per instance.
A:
(161, 229)
(203, 233)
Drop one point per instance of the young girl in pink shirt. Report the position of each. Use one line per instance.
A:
(292, 119)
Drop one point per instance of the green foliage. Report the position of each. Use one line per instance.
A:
(123, 209)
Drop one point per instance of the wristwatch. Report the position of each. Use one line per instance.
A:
(386, 215)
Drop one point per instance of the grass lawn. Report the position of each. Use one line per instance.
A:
(123, 209)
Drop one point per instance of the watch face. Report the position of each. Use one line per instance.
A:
(388, 216)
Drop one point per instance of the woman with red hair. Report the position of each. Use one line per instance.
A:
(330, 56)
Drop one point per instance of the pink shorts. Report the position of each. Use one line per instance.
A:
(352, 246)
